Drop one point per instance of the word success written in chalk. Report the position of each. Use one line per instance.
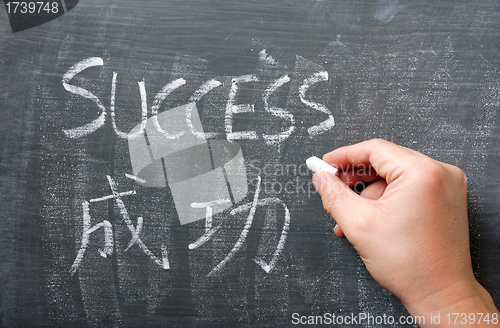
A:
(284, 119)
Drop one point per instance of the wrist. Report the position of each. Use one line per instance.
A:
(459, 305)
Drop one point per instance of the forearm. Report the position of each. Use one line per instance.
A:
(461, 305)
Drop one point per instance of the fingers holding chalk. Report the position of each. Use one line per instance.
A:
(351, 177)
(316, 165)
(355, 177)
(372, 192)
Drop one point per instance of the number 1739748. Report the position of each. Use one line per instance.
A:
(32, 7)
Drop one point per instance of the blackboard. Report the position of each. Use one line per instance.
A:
(257, 86)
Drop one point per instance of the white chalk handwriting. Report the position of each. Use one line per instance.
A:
(231, 109)
(210, 231)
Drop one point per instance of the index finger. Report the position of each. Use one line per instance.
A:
(388, 159)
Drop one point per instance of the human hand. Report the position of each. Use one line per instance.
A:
(409, 225)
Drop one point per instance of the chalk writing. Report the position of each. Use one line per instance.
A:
(277, 138)
(107, 250)
(172, 149)
(108, 230)
(98, 122)
(87, 230)
(231, 108)
(144, 107)
(325, 125)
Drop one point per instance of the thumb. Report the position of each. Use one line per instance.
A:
(345, 206)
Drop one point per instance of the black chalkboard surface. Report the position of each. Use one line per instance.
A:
(153, 153)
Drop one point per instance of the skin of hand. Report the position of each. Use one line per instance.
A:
(409, 226)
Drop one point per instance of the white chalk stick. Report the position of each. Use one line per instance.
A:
(315, 164)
